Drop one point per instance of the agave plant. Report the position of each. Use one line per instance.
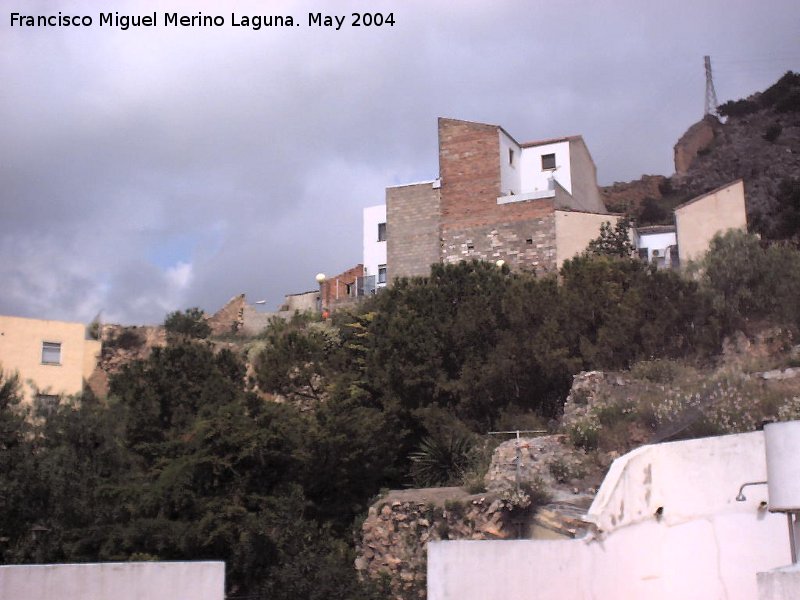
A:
(442, 460)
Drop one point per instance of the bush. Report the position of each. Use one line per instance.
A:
(190, 323)
(442, 461)
(773, 132)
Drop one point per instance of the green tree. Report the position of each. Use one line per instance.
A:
(190, 323)
(613, 241)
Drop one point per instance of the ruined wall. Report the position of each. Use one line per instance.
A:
(230, 318)
(396, 532)
(334, 290)
(412, 230)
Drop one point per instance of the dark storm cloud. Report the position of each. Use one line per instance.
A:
(146, 171)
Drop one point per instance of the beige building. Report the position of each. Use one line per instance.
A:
(700, 219)
(51, 357)
(574, 231)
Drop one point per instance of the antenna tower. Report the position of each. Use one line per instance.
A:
(711, 94)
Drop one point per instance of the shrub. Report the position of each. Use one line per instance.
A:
(585, 434)
(190, 323)
(443, 460)
(772, 132)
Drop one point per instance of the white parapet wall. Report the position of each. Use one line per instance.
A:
(780, 584)
(114, 581)
(668, 526)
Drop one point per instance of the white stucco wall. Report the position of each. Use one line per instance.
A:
(704, 545)
(656, 241)
(533, 178)
(114, 581)
(374, 251)
(509, 171)
(780, 584)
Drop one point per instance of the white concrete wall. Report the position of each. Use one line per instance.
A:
(533, 178)
(114, 581)
(704, 545)
(780, 584)
(374, 251)
(510, 180)
(656, 241)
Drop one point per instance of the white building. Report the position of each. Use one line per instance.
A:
(670, 522)
(531, 170)
(657, 244)
(374, 247)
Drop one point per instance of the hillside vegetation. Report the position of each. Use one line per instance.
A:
(188, 460)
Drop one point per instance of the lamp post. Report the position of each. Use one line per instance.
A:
(320, 280)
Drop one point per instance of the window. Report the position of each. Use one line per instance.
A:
(548, 162)
(511, 156)
(381, 273)
(51, 353)
(381, 232)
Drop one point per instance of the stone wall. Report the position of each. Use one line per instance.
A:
(396, 532)
(412, 230)
(524, 243)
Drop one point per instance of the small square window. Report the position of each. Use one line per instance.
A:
(470, 246)
(529, 241)
(381, 273)
(51, 353)
(381, 232)
(548, 162)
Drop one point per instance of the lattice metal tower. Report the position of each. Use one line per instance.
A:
(711, 94)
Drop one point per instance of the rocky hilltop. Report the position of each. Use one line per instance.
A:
(756, 139)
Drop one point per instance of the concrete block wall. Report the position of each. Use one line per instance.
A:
(412, 230)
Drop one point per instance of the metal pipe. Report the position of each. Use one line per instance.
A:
(792, 541)
(740, 497)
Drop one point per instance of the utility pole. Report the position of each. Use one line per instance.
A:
(711, 94)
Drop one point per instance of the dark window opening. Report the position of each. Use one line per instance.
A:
(381, 232)
(381, 273)
(548, 162)
(511, 156)
(529, 241)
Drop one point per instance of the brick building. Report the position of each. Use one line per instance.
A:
(531, 205)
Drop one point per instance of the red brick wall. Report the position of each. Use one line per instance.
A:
(328, 289)
(473, 225)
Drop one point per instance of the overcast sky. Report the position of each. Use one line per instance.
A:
(160, 168)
